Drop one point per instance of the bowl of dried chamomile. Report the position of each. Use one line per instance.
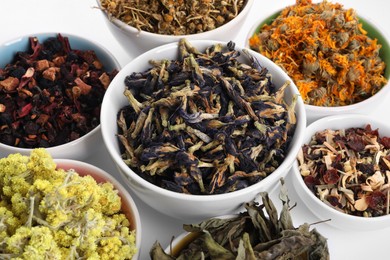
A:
(197, 128)
(64, 209)
(142, 25)
(255, 233)
(342, 171)
(339, 60)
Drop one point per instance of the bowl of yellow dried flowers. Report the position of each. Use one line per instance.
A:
(64, 209)
(142, 25)
(197, 128)
(51, 89)
(255, 233)
(339, 60)
(342, 171)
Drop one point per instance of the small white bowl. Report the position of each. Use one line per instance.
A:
(129, 207)
(320, 209)
(89, 143)
(364, 107)
(135, 41)
(185, 206)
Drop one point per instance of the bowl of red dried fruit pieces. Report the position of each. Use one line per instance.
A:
(342, 171)
(51, 89)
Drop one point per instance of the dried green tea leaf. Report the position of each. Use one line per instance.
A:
(215, 250)
(157, 252)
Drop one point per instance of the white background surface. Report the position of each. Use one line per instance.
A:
(80, 17)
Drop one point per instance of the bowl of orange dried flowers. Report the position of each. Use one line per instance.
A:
(142, 25)
(342, 171)
(338, 59)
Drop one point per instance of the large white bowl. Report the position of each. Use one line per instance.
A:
(86, 145)
(374, 31)
(135, 41)
(184, 206)
(320, 209)
(129, 207)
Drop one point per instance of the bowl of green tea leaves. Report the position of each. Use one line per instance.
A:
(259, 232)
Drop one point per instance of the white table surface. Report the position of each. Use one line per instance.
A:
(80, 17)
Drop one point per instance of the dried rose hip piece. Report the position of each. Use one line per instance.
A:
(51, 94)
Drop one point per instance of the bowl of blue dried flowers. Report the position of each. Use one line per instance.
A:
(342, 171)
(142, 25)
(51, 89)
(339, 59)
(197, 128)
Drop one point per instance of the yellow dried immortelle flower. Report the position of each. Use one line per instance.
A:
(50, 213)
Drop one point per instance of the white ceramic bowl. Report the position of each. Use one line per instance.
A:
(184, 206)
(364, 107)
(135, 41)
(320, 209)
(129, 207)
(87, 144)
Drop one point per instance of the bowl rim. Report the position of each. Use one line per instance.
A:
(366, 21)
(122, 192)
(166, 37)
(56, 149)
(129, 174)
(312, 128)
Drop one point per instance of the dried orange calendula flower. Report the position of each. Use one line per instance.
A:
(325, 50)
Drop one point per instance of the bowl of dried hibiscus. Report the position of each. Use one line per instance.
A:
(342, 171)
(51, 89)
(338, 59)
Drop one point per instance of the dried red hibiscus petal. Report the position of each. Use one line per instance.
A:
(386, 142)
(355, 142)
(38, 106)
(376, 200)
(311, 182)
(331, 176)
